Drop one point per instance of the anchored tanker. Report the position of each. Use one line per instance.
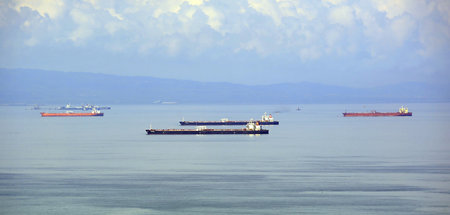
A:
(265, 120)
(401, 112)
(251, 128)
(93, 113)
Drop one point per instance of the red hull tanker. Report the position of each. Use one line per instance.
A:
(93, 113)
(401, 112)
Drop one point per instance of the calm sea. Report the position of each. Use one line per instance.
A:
(314, 162)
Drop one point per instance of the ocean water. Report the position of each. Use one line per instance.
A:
(314, 162)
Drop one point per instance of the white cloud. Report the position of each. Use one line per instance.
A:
(279, 9)
(196, 2)
(443, 6)
(253, 45)
(287, 8)
(332, 37)
(52, 9)
(113, 13)
(31, 42)
(334, 2)
(86, 25)
(342, 15)
(214, 17)
(173, 46)
(402, 28)
(171, 6)
(396, 8)
(424, 21)
(371, 27)
(392, 8)
(26, 24)
(3, 17)
(308, 13)
(113, 27)
(310, 53)
(266, 27)
(167, 7)
(267, 7)
(435, 38)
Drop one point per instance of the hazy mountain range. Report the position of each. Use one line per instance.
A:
(30, 86)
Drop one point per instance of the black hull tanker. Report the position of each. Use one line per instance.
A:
(251, 128)
(193, 123)
(265, 120)
(205, 131)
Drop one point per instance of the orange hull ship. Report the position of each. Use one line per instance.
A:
(93, 113)
(401, 112)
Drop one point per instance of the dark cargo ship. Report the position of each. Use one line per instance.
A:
(265, 120)
(251, 128)
(401, 112)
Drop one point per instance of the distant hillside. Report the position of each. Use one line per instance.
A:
(27, 86)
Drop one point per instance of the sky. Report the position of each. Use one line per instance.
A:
(338, 42)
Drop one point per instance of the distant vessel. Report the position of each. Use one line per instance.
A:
(265, 120)
(83, 107)
(401, 112)
(69, 113)
(164, 102)
(251, 128)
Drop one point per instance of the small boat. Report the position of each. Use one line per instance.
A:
(251, 128)
(94, 112)
(401, 112)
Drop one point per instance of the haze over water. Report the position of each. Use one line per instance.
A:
(314, 162)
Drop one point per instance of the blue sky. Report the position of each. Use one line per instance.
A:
(348, 43)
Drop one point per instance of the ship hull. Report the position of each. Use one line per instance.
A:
(375, 114)
(203, 132)
(194, 123)
(70, 114)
